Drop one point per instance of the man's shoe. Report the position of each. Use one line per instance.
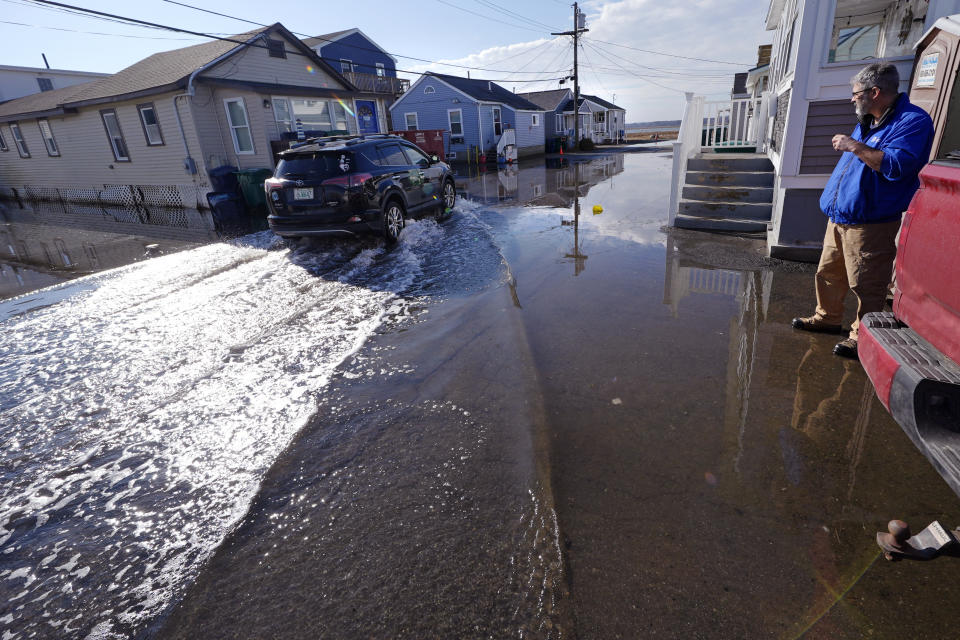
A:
(846, 349)
(813, 323)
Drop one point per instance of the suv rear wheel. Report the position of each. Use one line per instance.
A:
(393, 221)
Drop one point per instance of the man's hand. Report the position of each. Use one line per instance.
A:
(870, 156)
(844, 143)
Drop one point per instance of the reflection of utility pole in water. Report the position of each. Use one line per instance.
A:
(579, 260)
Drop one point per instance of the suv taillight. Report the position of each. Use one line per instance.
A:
(349, 181)
(274, 190)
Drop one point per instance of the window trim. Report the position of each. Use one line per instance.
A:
(381, 69)
(233, 128)
(106, 129)
(534, 119)
(450, 122)
(429, 89)
(496, 117)
(416, 121)
(19, 140)
(3, 142)
(349, 62)
(43, 136)
(143, 124)
(558, 123)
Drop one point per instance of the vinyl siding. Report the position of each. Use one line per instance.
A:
(825, 119)
(86, 157)
(254, 64)
(213, 127)
(356, 48)
(527, 134)
(431, 110)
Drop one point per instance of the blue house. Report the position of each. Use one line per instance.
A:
(474, 112)
(368, 67)
(553, 103)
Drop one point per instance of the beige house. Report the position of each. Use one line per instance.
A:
(150, 134)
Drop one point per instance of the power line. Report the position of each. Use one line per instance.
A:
(509, 24)
(498, 7)
(684, 76)
(672, 55)
(94, 33)
(352, 46)
(134, 21)
(662, 86)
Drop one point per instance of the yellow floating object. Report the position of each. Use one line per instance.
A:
(597, 209)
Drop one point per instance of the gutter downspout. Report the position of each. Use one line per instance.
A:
(189, 164)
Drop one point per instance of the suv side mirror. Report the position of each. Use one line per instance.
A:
(434, 159)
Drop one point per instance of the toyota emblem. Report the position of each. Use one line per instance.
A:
(299, 183)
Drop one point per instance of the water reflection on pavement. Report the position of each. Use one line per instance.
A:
(554, 419)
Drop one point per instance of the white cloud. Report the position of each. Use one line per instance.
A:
(648, 85)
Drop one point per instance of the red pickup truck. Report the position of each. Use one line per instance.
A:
(912, 355)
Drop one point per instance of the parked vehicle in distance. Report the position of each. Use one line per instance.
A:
(352, 185)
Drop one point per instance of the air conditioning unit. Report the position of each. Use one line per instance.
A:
(451, 155)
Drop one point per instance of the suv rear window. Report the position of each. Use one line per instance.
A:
(316, 165)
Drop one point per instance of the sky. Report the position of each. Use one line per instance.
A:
(507, 42)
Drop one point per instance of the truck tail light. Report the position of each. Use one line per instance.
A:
(274, 190)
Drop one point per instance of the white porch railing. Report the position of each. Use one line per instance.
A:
(726, 124)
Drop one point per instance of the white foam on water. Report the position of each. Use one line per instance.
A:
(140, 408)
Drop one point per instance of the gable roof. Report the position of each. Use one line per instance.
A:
(327, 38)
(160, 72)
(547, 100)
(601, 102)
(486, 91)
(568, 105)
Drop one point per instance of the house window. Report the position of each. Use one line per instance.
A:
(18, 139)
(3, 143)
(429, 89)
(455, 118)
(380, 70)
(239, 125)
(558, 122)
(345, 65)
(861, 34)
(411, 119)
(535, 120)
(46, 84)
(275, 48)
(497, 123)
(47, 134)
(314, 115)
(340, 117)
(151, 126)
(115, 135)
(282, 114)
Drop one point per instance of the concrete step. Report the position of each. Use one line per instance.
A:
(730, 178)
(729, 162)
(745, 210)
(727, 194)
(731, 225)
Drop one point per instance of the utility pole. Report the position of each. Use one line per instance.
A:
(579, 24)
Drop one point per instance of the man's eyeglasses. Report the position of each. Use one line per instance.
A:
(857, 94)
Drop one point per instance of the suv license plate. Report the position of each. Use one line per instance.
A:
(303, 193)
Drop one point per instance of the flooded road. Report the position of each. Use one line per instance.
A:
(531, 420)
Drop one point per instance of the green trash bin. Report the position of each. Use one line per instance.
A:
(251, 186)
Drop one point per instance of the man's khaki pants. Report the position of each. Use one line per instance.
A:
(858, 258)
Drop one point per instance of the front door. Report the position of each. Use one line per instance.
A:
(367, 116)
(497, 124)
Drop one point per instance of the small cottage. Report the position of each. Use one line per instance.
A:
(475, 113)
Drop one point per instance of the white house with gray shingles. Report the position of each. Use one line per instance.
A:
(151, 133)
(474, 112)
(16, 82)
(817, 47)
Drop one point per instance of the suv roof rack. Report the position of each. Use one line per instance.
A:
(349, 139)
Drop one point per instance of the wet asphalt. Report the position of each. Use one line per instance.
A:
(584, 425)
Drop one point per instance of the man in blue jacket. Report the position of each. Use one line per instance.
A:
(867, 192)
